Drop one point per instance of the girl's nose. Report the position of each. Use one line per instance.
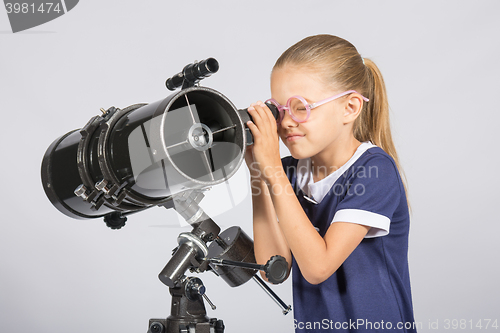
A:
(287, 120)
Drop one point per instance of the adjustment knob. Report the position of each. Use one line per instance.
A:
(276, 269)
(156, 327)
(101, 186)
(81, 191)
(115, 220)
(195, 288)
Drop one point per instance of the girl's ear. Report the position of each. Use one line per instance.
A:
(353, 106)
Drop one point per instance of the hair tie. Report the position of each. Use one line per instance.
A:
(363, 60)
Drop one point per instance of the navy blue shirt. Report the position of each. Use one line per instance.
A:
(370, 292)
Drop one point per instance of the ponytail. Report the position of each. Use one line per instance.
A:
(373, 123)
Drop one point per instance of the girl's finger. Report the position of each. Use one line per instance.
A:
(270, 116)
(256, 117)
(264, 119)
(262, 114)
(254, 129)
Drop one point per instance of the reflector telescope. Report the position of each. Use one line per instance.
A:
(126, 160)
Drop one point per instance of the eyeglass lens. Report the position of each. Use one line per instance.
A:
(298, 109)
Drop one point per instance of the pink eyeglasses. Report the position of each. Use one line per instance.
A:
(300, 110)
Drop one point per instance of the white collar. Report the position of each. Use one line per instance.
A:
(316, 191)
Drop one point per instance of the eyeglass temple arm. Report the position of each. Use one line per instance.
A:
(313, 105)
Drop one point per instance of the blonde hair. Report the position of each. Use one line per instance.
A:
(342, 66)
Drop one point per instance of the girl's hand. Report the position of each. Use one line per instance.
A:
(264, 157)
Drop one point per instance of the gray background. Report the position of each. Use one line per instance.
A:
(440, 62)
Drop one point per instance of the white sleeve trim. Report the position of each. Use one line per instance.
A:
(379, 223)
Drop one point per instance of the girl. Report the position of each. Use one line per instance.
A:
(336, 209)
